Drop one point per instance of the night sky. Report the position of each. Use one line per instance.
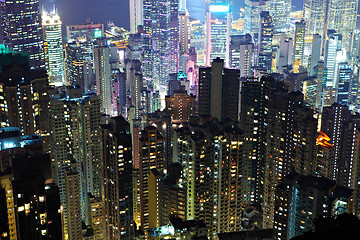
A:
(76, 11)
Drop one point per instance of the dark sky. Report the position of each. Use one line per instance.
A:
(76, 11)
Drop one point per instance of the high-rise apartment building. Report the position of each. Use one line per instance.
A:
(151, 156)
(299, 44)
(22, 29)
(75, 128)
(300, 199)
(242, 53)
(290, 144)
(255, 97)
(218, 20)
(30, 204)
(181, 105)
(73, 220)
(215, 148)
(280, 12)
(53, 47)
(265, 41)
(25, 95)
(117, 184)
(184, 34)
(219, 89)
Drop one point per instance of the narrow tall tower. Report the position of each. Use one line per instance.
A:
(53, 48)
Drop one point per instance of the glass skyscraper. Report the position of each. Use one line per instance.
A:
(22, 29)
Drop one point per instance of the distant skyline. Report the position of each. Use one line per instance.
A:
(77, 11)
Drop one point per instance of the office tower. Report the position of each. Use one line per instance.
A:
(255, 96)
(117, 185)
(241, 53)
(218, 20)
(290, 144)
(216, 148)
(355, 45)
(103, 75)
(25, 95)
(219, 89)
(344, 85)
(301, 199)
(310, 90)
(299, 44)
(160, 41)
(79, 62)
(315, 15)
(53, 47)
(181, 105)
(30, 206)
(155, 101)
(184, 34)
(151, 156)
(265, 41)
(333, 48)
(286, 52)
(253, 8)
(136, 15)
(22, 30)
(88, 31)
(280, 12)
(315, 52)
(342, 15)
(320, 71)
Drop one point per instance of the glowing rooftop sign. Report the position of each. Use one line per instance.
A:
(219, 8)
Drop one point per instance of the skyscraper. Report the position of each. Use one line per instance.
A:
(265, 41)
(160, 41)
(218, 20)
(280, 12)
(117, 185)
(332, 50)
(219, 91)
(299, 45)
(53, 47)
(344, 85)
(213, 147)
(254, 120)
(22, 29)
(290, 144)
(242, 53)
(342, 17)
(151, 156)
(184, 35)
(253, 8)
(25, 95)
(136, 15)
(300, 199)
(103, 75)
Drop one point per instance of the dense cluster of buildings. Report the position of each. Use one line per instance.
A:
(179, 129)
